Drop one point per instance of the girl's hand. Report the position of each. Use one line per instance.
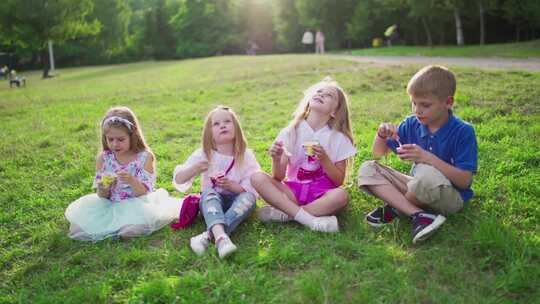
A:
(320, 153)
(201, 166)
(228, 184)
(414, 153)
(105, 190)
(276, 150)
(386, 130)
(126, 178)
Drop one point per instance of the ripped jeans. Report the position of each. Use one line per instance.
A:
(229, 210)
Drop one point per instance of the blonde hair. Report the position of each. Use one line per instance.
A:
(433, 80)
(240, 143)
(136, 139)
(341, 121)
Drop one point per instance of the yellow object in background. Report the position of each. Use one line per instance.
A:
(377, 42)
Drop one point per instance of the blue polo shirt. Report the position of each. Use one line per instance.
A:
(454, 143)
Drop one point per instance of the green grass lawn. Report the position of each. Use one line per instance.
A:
(489, 253)
(510, 50)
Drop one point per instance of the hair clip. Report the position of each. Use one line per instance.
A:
(119, 119)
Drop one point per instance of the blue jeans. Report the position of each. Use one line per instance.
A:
(229, 210)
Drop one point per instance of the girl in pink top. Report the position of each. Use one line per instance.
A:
(310, 160)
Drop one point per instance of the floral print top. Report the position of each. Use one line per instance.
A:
(111, 166)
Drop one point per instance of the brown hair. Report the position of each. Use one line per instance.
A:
(240, 143)
(433, 80)
(136, 138)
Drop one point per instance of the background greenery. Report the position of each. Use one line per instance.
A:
(488, 253)
(111, 31)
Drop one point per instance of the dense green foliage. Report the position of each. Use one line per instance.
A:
(108, 31)
(488, 253)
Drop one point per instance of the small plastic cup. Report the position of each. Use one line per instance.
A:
(308, 147)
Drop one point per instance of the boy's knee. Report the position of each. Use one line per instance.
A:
(368, 168)
(427, 184)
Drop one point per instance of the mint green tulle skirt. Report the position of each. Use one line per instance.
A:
(94, 218)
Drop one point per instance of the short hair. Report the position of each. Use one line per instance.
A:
(433, 80)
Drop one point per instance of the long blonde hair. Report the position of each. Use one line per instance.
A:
(136, 139)
(341, 121)
(240, 142)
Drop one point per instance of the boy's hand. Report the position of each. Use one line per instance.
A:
(414, 153)
(386, 130)
(276, 150)
(201, 166)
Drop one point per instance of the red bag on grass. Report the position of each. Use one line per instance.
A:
(188, 212)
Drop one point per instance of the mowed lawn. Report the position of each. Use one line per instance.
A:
(529, 49)
(488, 253)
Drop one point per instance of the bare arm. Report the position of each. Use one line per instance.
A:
(336, 172)
(384, 131)
(102, 191)
(279, 160)
(189, 172)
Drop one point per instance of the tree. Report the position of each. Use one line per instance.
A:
(327, 15)
(287, 25)
(32, 23)
(203, 28)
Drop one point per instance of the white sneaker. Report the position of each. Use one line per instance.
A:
(199, 243)
(325, 224)
(225, 247)
(271, 214)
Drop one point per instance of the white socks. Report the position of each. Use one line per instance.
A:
(304, 218)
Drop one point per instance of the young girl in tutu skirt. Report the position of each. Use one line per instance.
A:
(125, 204)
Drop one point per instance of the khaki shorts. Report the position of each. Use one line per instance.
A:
(429, 185)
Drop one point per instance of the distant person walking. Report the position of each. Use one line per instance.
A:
(319, 42)
(391, 34)
(307, 41)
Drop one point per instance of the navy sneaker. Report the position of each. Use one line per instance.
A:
(424, 224)
(381, 216)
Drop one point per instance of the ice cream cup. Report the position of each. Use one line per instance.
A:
(308, 147)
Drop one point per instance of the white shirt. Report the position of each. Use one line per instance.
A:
(307, 38)
(239, 173)
(338, 147)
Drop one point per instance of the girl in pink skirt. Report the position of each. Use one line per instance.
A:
(310, 160)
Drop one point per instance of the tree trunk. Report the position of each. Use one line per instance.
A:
(428, 32)
(482, 12)
(45, 62)
(459, 28)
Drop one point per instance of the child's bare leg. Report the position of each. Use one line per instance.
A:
(218, 230)
(394, 198)
(328, 204)
(132, 231)
(275, 193)
(75, 232)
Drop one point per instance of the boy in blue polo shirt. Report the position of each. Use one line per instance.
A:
(441, 147)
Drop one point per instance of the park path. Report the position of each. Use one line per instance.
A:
(495, 63)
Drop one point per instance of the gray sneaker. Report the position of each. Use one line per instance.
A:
(225, 247)
(325, 224)
(199, 243)
(271, 214)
